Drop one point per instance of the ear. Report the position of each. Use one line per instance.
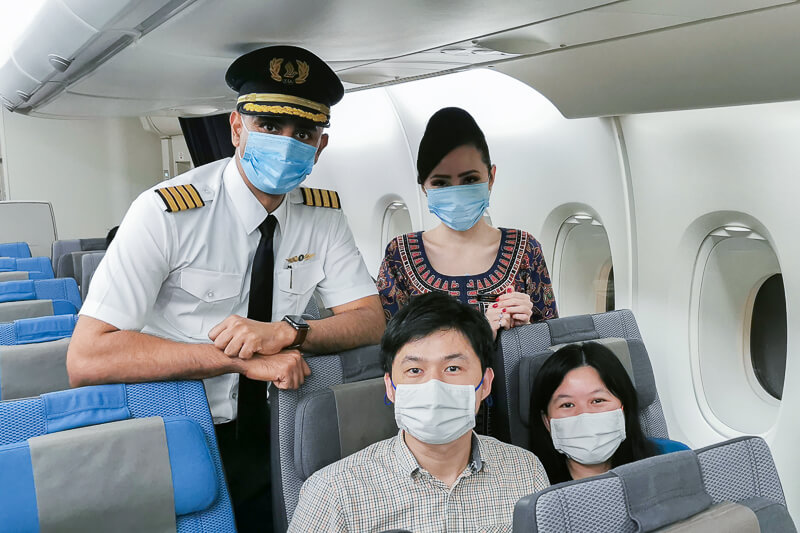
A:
(387, 380)
(236, 128)
(323, 142)
(546, 421)
(492, 172)
(486, 387)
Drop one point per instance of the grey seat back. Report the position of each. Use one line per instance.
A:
(532, 343)
(89, 263)
(70, 265)
(11, 311)
(293, 459)
(29, 370)
(732, 485)
(63, 247)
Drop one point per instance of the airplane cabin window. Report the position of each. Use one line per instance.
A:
(396, 221)
(582, 270)
(768, 335)
(738, 320)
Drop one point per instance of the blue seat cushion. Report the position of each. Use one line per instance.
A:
(40, 329)
(45, 289)
(15, 249)
(664, 446)
(37, 267)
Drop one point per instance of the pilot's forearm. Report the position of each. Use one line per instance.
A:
(357, 324)
(99, 353)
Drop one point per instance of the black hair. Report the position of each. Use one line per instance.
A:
(448, 129)
(616, 379)
(111, 234)
(432, 312)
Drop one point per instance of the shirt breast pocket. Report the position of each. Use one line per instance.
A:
(215, 294)
(297, 286)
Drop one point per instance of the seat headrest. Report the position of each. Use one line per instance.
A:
(631, 353)
(334, 423)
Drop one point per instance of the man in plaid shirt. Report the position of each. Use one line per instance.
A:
(436, 474)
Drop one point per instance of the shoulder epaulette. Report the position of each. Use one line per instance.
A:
(180, 197)
(320, 198)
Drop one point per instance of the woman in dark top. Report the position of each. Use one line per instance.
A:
(585, 416)
(498, 270)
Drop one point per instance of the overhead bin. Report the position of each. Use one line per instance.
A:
(66, 39)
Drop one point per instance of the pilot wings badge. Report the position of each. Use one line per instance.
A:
(299, 258)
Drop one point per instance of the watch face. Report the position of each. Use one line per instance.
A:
(297, 321)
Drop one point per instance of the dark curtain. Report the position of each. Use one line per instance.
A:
(208, 138)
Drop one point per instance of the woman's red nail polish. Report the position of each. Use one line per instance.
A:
(503, 311)
(494, 305)
(509, 289)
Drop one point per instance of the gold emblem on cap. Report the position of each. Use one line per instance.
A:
(291, 75)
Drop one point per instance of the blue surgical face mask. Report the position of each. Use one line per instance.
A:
(276, 164)
(460, 206)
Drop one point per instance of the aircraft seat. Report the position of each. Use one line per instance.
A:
(522, 351)
(15, 249)
(11, 311)
(76, 245)
(732, 486)
(33, 330)
(71, 265)
(44, 289)
(89, 264)
(36, 267)
(123, 458)
(324, 420)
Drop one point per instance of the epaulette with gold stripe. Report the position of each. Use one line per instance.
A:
(321, 198)
(180, 197)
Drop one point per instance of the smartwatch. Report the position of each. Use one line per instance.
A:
(300, 326)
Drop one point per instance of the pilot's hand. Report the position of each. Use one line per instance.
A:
(242, 337)
(286, 369)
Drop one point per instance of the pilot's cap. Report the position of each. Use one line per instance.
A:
(285, 81)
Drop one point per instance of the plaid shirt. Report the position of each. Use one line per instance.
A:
(383, 487)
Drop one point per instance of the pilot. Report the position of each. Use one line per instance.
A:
(209, 273)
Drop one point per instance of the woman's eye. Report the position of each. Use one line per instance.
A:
(567, 405)
(598, 400)
(439, 183)
(471, 179)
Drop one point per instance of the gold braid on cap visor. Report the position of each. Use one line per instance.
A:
(285, 110)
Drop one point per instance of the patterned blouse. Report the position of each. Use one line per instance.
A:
(406, 271)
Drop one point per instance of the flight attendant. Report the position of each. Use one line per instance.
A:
(500, 271)
(209, 272)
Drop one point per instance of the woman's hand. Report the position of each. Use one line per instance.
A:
(510, 310)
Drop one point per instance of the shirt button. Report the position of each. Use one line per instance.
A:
(210, 294)
(234, 395)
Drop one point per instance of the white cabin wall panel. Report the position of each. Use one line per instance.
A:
(686, 165)
(543, 160)
(367, 162)
(90, 170)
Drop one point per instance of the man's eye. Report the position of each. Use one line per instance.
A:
(453, 368)
(414, 371)
(303, 135)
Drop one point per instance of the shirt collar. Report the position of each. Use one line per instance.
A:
(408, 464)
(249, 210)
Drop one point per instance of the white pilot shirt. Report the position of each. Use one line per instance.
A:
(177, 275)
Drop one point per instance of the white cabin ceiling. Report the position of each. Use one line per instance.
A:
(589, 57)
